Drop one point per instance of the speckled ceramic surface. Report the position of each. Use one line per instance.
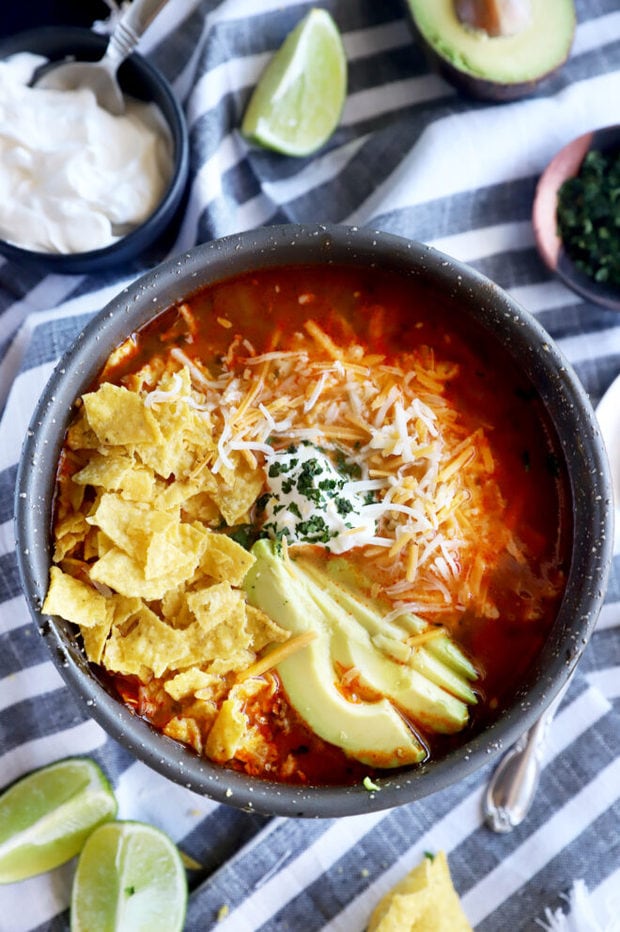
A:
(554, 380)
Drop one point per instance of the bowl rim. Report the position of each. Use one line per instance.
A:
(132, 242)
(304, 244)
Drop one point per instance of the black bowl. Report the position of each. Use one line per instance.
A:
(489, 307)
(138, 79)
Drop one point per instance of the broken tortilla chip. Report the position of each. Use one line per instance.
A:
(76, 601)
(424, 901)
(225, 560)
(119, 417)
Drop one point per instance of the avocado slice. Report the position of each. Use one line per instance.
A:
(440, 660)
(351, 633)
(495, 67)
(372, 732)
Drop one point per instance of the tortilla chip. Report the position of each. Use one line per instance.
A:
(238, 489)
(201, 507)
(118, 473)
(181, 490)
(69, 532)
(225, 560)
(126, 576)
(175, 609)
(262, 629)
(80, 435)
(180, 545)
(76, 601)
(424, 901)
(119, 417)
(150, 643)
(227, 640)
(125, 609)
(214, 604)
(94, 639)
(236, 661)
(186, 439)
(130, 525)
(186, 730)
(227, 732)
(189, 682)
(107, 472)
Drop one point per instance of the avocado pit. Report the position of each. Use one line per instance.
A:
(495, 17)
(495, 49)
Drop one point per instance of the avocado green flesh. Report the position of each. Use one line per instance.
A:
(349, 579)
(373, 733)
(527, 56)
(446, 668)
(300, 597)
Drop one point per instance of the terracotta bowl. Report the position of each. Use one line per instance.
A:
(565, 165)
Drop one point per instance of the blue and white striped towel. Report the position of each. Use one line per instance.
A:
(413, 157)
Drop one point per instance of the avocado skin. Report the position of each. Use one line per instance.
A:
(478, 87)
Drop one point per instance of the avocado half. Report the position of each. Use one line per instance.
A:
(503, 67)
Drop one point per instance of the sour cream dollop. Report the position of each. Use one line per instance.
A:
(310, 501)
(73, 177)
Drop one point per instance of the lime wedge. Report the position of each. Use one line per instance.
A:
(299, 98)
(129, 878)
(46, 817)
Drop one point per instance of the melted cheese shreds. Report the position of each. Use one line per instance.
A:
(420, 469)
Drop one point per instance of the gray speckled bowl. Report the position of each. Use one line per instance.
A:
(562, 395)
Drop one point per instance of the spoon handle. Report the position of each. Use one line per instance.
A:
(513, 786)
(130, 28)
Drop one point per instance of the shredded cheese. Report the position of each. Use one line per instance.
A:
(277, 655)
(422, 471)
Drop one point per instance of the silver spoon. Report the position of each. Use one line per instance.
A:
(513, 786)
(100, 76)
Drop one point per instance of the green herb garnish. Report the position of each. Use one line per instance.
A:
(588, 215)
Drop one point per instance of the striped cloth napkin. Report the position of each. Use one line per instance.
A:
(413, 157)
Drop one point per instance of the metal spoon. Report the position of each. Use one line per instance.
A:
(513, 786)
(100, 76)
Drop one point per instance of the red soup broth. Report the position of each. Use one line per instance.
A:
(389, 315)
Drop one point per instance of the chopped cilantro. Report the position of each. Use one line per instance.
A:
(343, 505)
(328, 485)
(276, 469)
(353, 470)
(314, 530)
(305, 484)
(244, 534)
(588, 215)
(429, 855)
(294, 509)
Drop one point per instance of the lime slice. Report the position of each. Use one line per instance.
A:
(129, 878)
(46, 817)
(298, 100)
